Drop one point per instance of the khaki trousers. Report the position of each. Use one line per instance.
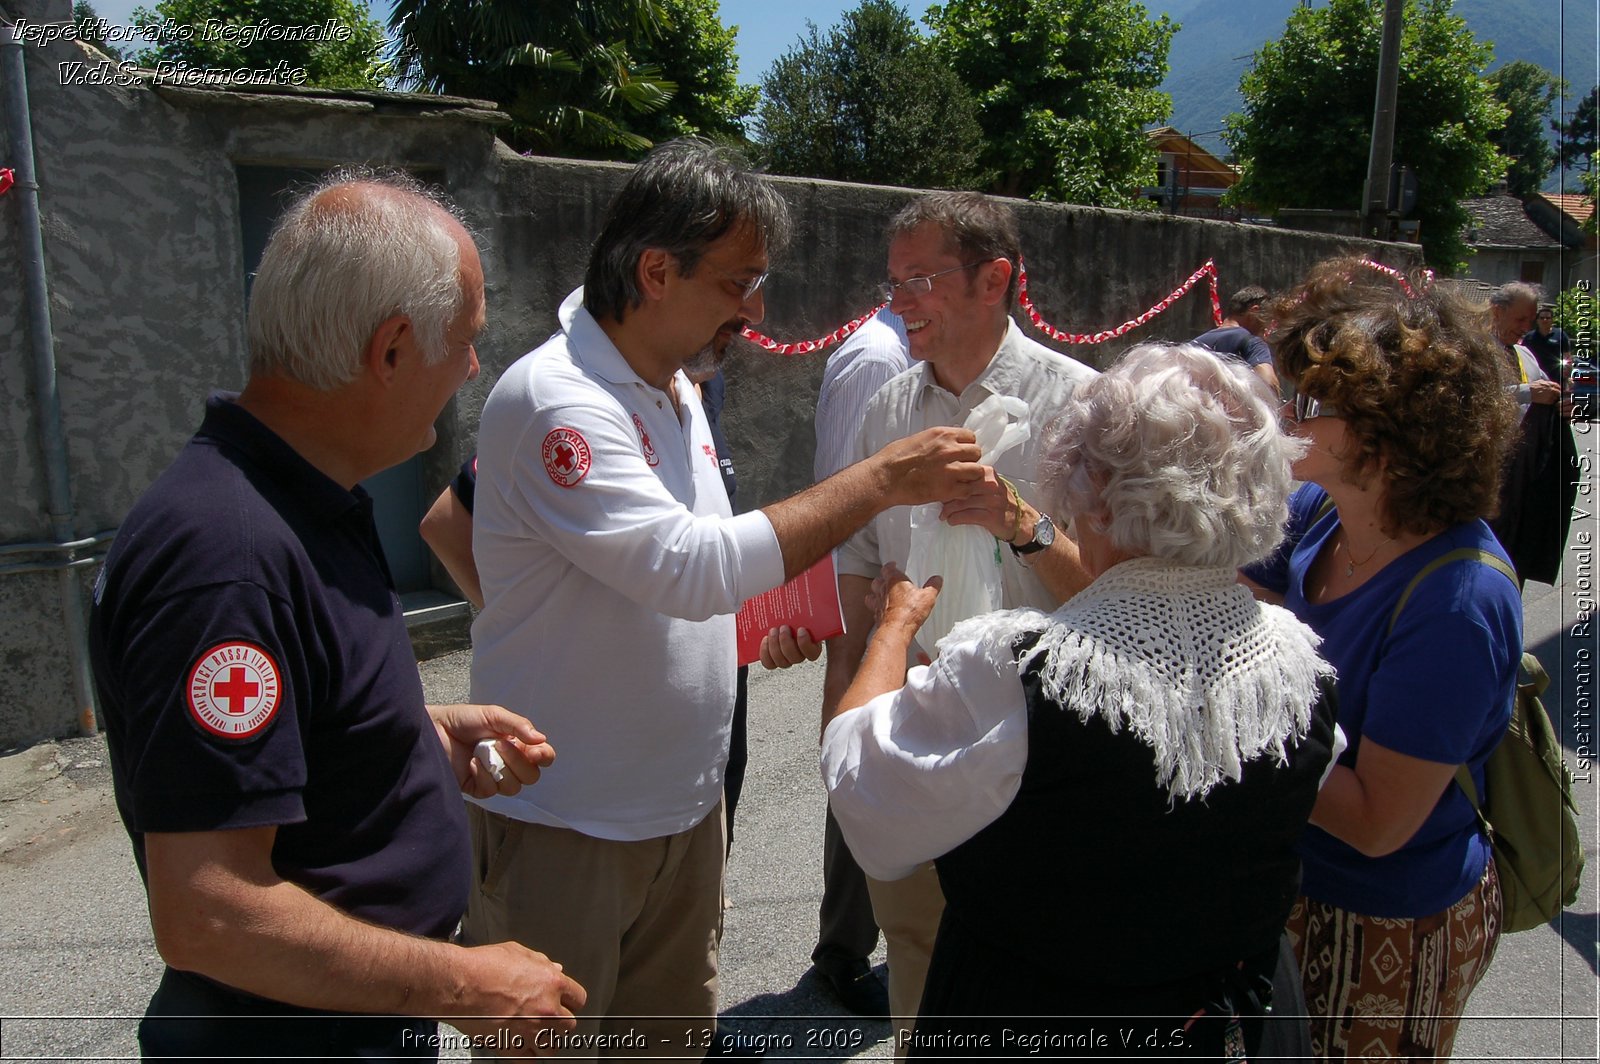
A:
(635, 923)
(908, 912)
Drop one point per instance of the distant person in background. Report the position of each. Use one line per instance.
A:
(847, 933)
(1537, 493)
(1239, 335)
(1548, 343)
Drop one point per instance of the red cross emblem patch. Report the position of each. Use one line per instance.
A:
(234, 690)
(644, 442)
(566, 456)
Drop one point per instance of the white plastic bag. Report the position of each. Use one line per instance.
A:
(965, 555)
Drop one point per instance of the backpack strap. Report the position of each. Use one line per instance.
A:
(1463, 776)
(1459, 554)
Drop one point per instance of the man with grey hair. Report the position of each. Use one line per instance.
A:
(1536, 495)
(293, 804)
(611, 567)
(953, 259)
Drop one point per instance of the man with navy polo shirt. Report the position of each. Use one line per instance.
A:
(1239, 335)
(294, 805)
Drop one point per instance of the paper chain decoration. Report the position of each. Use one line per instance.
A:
(1400, 278)
(806, 347)
(1209, 268)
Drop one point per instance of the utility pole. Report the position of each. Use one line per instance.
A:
(1375, 211)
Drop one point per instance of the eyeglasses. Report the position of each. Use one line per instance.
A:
(752, 287)
(920, 286)
(1306, 408)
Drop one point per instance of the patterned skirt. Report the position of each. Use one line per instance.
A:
(1383, 989)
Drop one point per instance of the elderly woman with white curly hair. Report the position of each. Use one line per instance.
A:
(1111, 792)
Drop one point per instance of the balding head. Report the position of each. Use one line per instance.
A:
(1511, 307)
(353, 252)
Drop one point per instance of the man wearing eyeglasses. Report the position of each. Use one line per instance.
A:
(952, 279)
(611, 566)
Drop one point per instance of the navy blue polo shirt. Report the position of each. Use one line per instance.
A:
(252, 663)
(1239, 342)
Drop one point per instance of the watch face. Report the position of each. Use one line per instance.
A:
(1044, 531)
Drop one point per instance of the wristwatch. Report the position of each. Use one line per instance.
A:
(1044, 534)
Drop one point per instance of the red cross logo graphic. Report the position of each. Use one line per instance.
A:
(566, 456)
(236, 691)
(644, 443)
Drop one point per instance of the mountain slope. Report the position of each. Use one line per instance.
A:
(1219, 37)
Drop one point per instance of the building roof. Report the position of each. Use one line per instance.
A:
(292, 98)
(1503, 222)
(1194, 157)
(1577, 207)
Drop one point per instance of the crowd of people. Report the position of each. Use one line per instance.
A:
(1196, 774)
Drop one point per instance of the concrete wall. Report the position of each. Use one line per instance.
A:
(143, 247)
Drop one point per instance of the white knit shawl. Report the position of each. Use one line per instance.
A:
(1184, 657)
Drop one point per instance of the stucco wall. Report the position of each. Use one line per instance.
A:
(144, 252)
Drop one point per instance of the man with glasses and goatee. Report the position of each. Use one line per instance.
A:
(611, 567)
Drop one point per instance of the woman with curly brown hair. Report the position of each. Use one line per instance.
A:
(1401, 399)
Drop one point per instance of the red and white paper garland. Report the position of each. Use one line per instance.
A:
(1209, 269)
(805, 347)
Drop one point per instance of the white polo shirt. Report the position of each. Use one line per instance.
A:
(611, 568)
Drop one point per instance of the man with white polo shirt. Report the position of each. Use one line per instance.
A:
(611, 566)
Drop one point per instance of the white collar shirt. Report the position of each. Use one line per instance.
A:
(914, 401)
(611, 568)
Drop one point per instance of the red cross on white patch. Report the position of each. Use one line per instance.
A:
(566, 456)
(234, 690)
(644, 443)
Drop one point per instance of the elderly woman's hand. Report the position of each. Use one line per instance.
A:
(897, 603)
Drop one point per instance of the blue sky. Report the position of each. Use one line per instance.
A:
(766, 28)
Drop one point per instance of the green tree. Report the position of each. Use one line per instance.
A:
(696, 52)
(1528, 92)
(353, 63)
(562, 71)
(1065, 89)
(84, 17)
(869, 101)
(1578, 140)
(1304, 137)
(588, 78)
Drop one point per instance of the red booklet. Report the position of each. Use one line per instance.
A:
(809, 601)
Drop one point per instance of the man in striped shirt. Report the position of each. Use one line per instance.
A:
(847, 933)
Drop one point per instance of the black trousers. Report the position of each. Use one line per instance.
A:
(192, 1017)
